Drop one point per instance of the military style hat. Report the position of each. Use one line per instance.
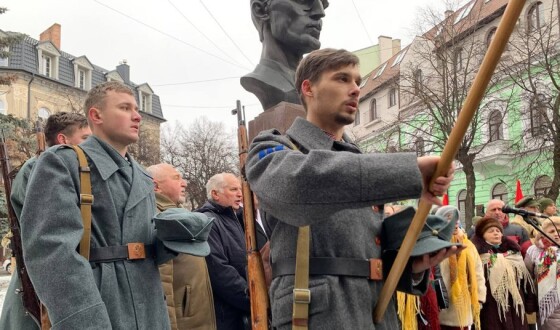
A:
(183, 231)
(435, 235)
(527, 201)
(545, 202)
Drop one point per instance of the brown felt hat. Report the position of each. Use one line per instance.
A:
(486, 223)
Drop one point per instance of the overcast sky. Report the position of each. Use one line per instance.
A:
(181, 50)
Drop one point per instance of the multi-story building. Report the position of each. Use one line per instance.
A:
(411, 102)
(45, 80)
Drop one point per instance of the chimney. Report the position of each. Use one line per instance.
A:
(124, 70)
(52, 34)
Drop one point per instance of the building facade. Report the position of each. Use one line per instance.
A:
(45, 80)
(411, 102)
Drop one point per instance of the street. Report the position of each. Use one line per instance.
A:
(4, 281)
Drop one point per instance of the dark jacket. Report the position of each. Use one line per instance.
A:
(489, 314)
(227, 264)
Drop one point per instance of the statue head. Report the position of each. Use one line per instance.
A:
(294, 24)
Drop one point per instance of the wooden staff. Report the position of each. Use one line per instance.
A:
(258, 292)
(475, 95)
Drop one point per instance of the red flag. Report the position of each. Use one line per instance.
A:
(445, 200)
(518, 192)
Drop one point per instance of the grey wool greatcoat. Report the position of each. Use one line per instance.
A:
(330, 186)
(125, 294)
(13, 313)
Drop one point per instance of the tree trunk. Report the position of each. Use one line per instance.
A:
(470, 177)
(555, 187)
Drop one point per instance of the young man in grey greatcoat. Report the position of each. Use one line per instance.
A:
(328, 184)
(115, 289)
(60, 128)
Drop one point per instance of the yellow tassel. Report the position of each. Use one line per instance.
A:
(407, 308)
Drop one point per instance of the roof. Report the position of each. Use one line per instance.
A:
(24, 56)
(465, 20)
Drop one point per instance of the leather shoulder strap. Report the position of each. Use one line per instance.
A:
(302, 294)
(86, 200)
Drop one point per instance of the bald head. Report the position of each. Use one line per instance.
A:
(168, 182)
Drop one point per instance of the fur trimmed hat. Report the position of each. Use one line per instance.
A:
(485, 223)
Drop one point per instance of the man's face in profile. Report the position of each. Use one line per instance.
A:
(297, 23)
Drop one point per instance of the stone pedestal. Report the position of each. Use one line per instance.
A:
(281, 117)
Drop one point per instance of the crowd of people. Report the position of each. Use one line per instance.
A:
(151, 264)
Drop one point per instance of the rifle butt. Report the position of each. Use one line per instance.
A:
(258, 292)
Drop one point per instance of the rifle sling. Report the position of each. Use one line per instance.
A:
(86, 200)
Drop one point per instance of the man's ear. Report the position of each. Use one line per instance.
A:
(259, 11)
(306, 88)
(94, 115)
(214, 194)
(61, 139)
(156, 186)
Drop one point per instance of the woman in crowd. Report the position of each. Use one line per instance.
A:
(542, 261)
(510, 291)
(463, 277)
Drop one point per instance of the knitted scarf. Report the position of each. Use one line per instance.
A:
(464, 286)
(547, 274)
(507, 274)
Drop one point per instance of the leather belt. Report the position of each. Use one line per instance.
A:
(131, 251)
(371, 269)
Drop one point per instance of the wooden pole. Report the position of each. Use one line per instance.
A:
(475, 95)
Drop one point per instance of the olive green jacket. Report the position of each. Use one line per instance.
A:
(187, 288)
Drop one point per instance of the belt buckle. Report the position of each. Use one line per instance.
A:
(136, 251)
(302, 296)
(375, 269)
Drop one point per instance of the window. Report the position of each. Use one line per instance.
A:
(399, 58)
(373, 110)
(538, 115)
(47, 66)
(145, 93)
(461, 202)
(43, 114)
(82, 79)
(500, 192)
(380, 71)
(542, 185)
(357, 119)
(490, 36)
(392, 97)
(4, 60)
(495, 126)
(419, 146)
(3, 108)
(47, 57)
(535, 17)
(417, 82)
(364, 82)
(458, 59)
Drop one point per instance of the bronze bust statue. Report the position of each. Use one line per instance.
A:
(287, 30)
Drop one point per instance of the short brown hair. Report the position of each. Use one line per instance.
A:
(62, 122)
(319, 61)
(96, 96)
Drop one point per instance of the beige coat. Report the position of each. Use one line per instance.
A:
(187, 288)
